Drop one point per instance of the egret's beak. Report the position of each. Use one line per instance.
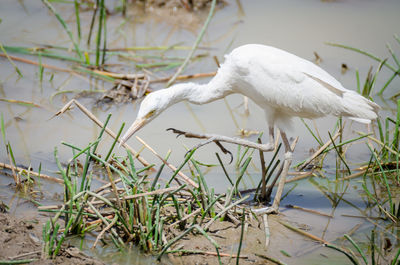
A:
(137, 124)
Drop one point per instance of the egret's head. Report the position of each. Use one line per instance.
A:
(152, 105)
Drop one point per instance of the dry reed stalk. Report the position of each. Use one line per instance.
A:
(23, 60)
(233, 218)
(186, 217)
(32, 173)
(319, 151)
(266, 230)
(304, 233)
(299, 177)
(183, 176)
(100, 235)
(101, 125)
(184, 77)
(380, 143)
(309, 210)
(118, 75)
(98, 221)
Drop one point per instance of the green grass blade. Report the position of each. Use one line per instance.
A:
(395, 143)
(362, 52)
(11, 61)
(66, 28)
(357, 247)
(114, 142)
(99, 33)
(77, 18)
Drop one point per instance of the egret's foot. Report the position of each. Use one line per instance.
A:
(212, 139)
(178, 132)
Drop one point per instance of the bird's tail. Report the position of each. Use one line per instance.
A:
(359, 108)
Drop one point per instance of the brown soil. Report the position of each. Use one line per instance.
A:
(19, 237)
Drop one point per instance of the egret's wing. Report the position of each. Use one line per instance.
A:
(331, 88)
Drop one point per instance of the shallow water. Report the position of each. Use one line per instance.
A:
(300, 27)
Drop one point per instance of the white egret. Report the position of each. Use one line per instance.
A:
(281, 83)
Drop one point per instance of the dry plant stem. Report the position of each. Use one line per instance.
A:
(270, 259)
(120, 206)
(380, 143)
(223, 211)
(23, 170)
(113, 222)
(304, 233)
(183, 176)
(98, 220)
(233, 218)
(119, 76)
(139, 195)
(309, 210)
(286, 166)
(186, 217)
(150, 193)
(221, 138)
(100, 124)
(184, 77)
(23, 60)
(299, 177)
(24, 255)
(319, 151)
(104, 220)
(266, 229)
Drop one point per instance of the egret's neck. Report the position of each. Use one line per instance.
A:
(201, 93)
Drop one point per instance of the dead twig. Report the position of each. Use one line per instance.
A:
(184, 77)
(304, 233)
(183, 176)
(317, 153)
(266, 230)
(100, 235)
(290, 206)
(28, 171)
(101, 125)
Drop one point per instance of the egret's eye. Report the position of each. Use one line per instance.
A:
(151, 113)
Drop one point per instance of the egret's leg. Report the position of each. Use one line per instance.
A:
(246, 105)
(285, 140)
(286, 166)
(271, 135)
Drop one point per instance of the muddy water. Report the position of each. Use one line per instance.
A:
(299, 27)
